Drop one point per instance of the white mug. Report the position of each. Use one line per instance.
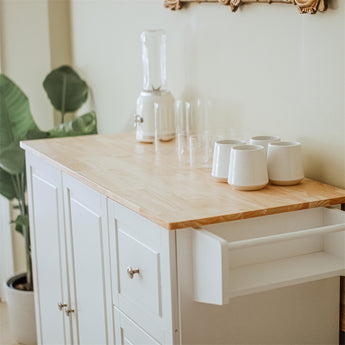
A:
(221, 158)
(284, 161)
(248, 167)
(263, 140)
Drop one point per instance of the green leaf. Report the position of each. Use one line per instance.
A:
(65, 89)
(36, 133)
(21, 220)
(15, 121)
(19, 229)
(6, 186)
(15, 114)
(12, 159)
(82, 125)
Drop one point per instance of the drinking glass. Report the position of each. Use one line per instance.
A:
(181, 132)
(163, 115)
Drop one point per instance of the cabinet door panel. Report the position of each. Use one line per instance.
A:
(144, 288)
(149, 297)
(128, 333)
(49, 260)
(89, 263)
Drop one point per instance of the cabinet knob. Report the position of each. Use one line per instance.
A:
(69, 311)
(131, 271)
(61, 305)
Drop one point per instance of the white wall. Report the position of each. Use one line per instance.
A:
(34, 38)
(26, 52)
(268, 68)
(25, 58)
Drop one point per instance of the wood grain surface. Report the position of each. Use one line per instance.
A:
(173, 195)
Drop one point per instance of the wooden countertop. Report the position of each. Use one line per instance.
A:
(157, 187)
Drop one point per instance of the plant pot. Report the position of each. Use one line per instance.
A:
(21, 311)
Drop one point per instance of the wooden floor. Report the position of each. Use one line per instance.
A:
(5, 335)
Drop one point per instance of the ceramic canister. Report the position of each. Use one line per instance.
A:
(284, 162)
(263, 140)
(221, 158)
(248, 167)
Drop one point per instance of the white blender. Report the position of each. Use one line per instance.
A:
(153, 44)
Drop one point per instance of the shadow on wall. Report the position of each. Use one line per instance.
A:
(327, 162)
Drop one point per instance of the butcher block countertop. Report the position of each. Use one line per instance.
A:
(170, 194)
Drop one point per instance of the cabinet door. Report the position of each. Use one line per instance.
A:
(48, 251)
(88, 262)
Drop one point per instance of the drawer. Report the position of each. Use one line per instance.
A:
(128, 333)
(144, 272)
(139, 273)
(258, 254)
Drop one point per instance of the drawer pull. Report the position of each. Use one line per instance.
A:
(61, 305)
(69, 311)
(131, 272)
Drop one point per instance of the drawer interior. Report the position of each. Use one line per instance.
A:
(276, 224)
(268, 252)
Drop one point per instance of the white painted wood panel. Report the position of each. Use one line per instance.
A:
(128, 333)
(144, 288)
(48, 253)
(89, 265)
(150, 298)
(256, 255)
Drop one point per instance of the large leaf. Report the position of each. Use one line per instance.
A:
(82, 125)
(15, 121)
(65, 89)
(12, 159)
(15, 114)
(36, 133)
(6, 185)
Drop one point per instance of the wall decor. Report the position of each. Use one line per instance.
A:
(304, 6)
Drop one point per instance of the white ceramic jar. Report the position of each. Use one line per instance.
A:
(284, 162)
(221, 158)
(263, 140)
(248, 168)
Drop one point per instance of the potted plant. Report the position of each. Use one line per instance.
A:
(67, 93)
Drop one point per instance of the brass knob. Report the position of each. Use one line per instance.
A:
(131, 271)
(61, 305)
(69, 311)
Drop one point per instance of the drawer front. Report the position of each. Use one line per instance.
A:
(141, 288)
(256, 255)
(144, 272)
(128, 333)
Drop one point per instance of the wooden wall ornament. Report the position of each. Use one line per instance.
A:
(304, 6)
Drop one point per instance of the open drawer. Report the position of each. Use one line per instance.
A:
(258, 254)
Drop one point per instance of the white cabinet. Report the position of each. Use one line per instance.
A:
(122, 279)
(71, 258)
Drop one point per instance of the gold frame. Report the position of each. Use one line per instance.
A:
(304, 6)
